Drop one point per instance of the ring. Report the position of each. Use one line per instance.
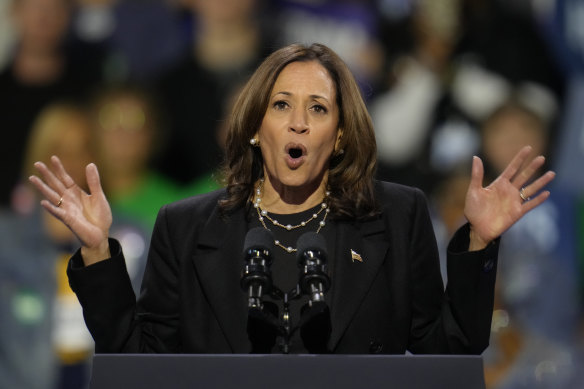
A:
(61, 202)
(522, 195)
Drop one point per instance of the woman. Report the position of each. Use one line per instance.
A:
(300, 137)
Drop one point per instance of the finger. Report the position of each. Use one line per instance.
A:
(57, 212)
(61, 173)
(93, 181)
(525, 174)
(538, 184)
(477, 175)
(50, 178)
(49, 194)
(534, 202)
(516, 163)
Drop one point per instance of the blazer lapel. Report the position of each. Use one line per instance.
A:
(218, 261)
(360, 251)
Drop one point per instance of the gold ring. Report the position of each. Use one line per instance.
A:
(60, 202)
(522, 195)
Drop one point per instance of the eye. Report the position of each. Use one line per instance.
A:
(280, 105)
(319, 109)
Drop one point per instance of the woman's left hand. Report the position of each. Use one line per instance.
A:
(493, 209)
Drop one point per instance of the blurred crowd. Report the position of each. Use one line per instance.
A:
(143, 89)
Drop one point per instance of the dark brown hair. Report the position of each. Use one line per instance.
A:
(350, 178)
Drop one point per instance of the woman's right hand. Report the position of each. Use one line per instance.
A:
(88, 215)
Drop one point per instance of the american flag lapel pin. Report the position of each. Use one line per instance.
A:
(355, 256)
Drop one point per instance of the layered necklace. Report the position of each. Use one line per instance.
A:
(263, 215)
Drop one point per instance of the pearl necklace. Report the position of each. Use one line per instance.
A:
(263, 214)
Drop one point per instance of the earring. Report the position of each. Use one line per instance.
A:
(254, 142)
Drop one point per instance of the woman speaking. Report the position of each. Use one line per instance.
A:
(300, 158)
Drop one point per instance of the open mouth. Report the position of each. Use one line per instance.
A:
(295, 153)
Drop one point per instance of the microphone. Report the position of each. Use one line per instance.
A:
(315, 321)
(256, 279)
(312, 257)
(256, 276)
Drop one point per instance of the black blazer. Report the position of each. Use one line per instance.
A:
(391, 301)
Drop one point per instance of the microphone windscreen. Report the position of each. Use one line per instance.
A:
(259, 238)
(311, 241)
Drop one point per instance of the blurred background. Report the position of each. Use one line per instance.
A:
(143, 88)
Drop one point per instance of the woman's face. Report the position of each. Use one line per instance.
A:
(300, 127)
(124, 137)
(508, 133)
(41, 24)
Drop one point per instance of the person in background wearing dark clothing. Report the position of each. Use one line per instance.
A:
(228, 42)
(38, 73)
(136, 39)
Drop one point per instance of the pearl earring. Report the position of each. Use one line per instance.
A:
(254, 142)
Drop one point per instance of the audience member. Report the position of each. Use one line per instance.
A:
(542, 248)
(561, 22)
(43, 337)
(127, 134)
(138, 39)
(536, 315)
(408, 113)
(520, 358)
(454, 75)
(350, 27)
(39, 71)
(228, 41)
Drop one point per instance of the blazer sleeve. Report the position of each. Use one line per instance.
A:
(457, 319)
(116, 322)
(470, 292)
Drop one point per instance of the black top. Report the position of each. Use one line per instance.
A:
(285, 270)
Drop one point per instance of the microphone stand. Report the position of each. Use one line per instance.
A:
(287, 330)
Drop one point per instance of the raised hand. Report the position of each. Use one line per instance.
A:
(493, 209)
(88, 215)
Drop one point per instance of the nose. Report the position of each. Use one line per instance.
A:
(299, 121)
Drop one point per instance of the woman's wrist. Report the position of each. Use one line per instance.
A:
(96, 254)
(476, 243)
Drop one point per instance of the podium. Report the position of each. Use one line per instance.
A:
(226, 371)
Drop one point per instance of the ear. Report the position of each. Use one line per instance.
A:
(338, 141)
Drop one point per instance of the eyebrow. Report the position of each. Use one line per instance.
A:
(311, 96)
